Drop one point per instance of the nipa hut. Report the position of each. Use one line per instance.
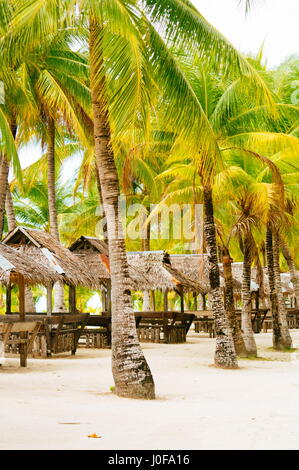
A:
(152, 270)
(18, 268)
(194, 267)
(45, 249)
(93, 254)
(14, 262)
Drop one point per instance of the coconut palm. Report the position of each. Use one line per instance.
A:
(120, 87)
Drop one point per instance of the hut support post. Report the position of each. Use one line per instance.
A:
(165, 318)
(23, 346)
(72, 299)
(8, 298)
(165, 301)
(204, 302)
(257, 307)
(152, 300)
(49, 300)
(182, 300)
(104, 299)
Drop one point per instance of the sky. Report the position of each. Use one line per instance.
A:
(274, 22)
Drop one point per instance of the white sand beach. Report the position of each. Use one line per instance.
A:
(57, 403)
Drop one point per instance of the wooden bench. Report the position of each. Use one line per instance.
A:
(204, 321)
(97, 333)
(58, 333)
(164, 327)
(19, 336)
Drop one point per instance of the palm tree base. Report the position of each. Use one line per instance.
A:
(225, 357)
(145, 391)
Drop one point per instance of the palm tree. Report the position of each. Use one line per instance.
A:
(119, 85)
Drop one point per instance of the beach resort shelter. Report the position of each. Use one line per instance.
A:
(46, 250)
(19, 269)
(194, 267)
(153, 270)
(93, 254)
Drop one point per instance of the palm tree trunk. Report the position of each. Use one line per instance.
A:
(230, 305)
(146, 246)
(4, 171)
(53, 218)
(282, 311)
(146, 303)
(246, 303)
(4, 187)
(132, 375)
(29, 300)
(9, 209)
(277, 336)
(59, 304)
(292, 268)
(260, 279)
(225, 354)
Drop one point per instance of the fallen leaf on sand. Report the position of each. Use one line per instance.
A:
(94, 436)
(69, 423)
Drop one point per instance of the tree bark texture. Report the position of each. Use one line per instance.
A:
(225, 354)
(132, 375)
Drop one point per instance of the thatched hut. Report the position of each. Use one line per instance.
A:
(194, 267)
(14, 262)
(18, 268)
(94, 255)
(45, 249)
(152, 270)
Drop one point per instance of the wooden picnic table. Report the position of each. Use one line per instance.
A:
(57, 333)
(165, 326)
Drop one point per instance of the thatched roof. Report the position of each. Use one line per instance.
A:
(44, 248)
(14, 262)
(85, 243)
(93, 254)
(194, 267)
(149, 270)
(152, 270)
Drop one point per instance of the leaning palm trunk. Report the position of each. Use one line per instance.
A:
(132, 376)
(292, 268)
(282, 311)
(277, 336)
(246, 303)
(230, 306)
(225, 354)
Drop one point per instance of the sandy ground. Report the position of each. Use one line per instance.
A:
(56, 403)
